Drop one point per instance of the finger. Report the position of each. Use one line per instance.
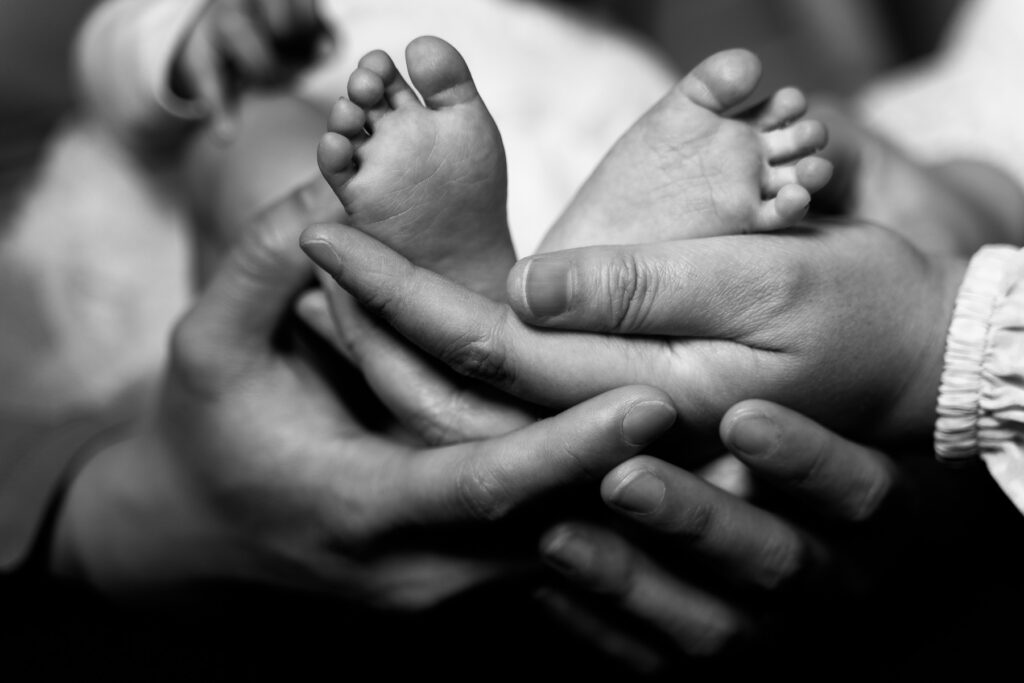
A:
(842, 478)
(420, 393)
(480, 338)
(486, 480)
(752, 545)
(254, 287)
(698, 623)
(698, 288)
(602, 633)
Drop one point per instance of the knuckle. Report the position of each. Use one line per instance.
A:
(630, 289)
(693, 522)
(781, 559)
(482, 492)
(482, 355)
(618, 580)
(783, 291)
(866, 502)
(818, 449)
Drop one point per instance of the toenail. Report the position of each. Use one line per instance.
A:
(548, 286)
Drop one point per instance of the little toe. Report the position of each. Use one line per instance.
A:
(814, 172)
(783, 210)
(723, 80)
(774, 178)
(439, 73)
(346, 118)
(784, 106)
(804, 137)
(334, 156)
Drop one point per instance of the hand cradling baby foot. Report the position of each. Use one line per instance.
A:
(686, 169)
(427, 178)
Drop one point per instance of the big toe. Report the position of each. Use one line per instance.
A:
(439, 73)
(723, 80)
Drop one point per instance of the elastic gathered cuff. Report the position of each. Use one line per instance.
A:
(990, 274)
(981, 398)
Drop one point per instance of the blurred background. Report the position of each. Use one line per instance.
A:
(834, 45)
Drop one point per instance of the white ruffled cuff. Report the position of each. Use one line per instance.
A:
(981, 397)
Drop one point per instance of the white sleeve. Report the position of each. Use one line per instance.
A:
(964, 101)
(981, 397)
(123, 56)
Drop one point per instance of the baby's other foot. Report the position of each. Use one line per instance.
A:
(686, 169)
(428, 177)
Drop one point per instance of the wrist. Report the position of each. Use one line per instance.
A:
(913, 410)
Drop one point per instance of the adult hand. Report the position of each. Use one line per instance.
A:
(838, 554)
(245, 42)
(715, 572)
(845, 323)
(423, 396)
(249, 466)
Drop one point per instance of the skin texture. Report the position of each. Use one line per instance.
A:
(248, 465)
(428, 179)
(812, 305)
(779, 559)
(691, 168)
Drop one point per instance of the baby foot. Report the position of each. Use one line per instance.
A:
(426, 178)
(685, 169)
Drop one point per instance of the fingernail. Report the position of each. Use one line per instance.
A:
(323, 254)
(647, 421)
(547, 286)
(641, 492)
(568, 553)
(754, 435)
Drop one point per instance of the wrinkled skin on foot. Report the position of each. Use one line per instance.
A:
(426, 178)
(687, 169)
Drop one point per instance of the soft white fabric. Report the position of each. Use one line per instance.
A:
(965, 101)
(123, 56)
(981, 398)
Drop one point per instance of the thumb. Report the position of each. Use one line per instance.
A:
(252, 292)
